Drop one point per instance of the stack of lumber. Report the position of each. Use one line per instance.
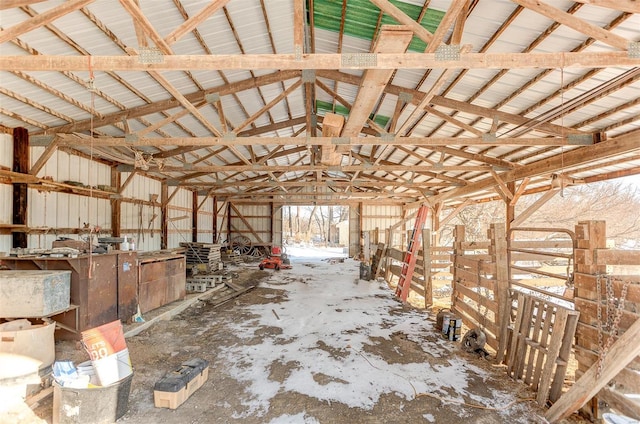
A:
(203, 253)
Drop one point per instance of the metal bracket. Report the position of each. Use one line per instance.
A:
(229, 136)
(340, 140)
(489, 137)
(149, 55)
(388, 137)
(131, 138)
(580, 139)
(405, 97)
(446, 52)
(212, 97)
(297, 53)
(308, 75)
(359, 60)
(634, 50)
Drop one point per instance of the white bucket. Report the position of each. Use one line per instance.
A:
(124, 364)
(86, 368)
(107, 369)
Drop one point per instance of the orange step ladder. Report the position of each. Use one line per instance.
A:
(410, 256)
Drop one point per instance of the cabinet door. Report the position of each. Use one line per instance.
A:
(102, 290)
(127, 285)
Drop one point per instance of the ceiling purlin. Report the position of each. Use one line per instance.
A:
(42, 19)
(631, 6)
(19, 117)
(614, 23)
(34, 104)
(580, 25)
(274, 51)
(502, 72)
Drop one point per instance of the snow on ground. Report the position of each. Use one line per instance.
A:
(328, 317)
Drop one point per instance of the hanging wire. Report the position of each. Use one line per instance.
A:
(92, 90)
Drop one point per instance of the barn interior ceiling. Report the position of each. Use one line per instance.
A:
(330, 100)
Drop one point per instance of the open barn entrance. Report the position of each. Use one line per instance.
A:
(316, 230)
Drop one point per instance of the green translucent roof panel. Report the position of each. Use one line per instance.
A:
(341, 110)
(362, 16)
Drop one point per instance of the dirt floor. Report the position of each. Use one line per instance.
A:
(392, 371)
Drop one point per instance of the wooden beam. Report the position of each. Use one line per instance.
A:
(404, 19)
(131, 6)
(20, 198)
(580, 25)
(623, 351)
(41, 19)
(326, 61)
(247, 224)
(190, 24)
(458, 29)
(44, 157)
(298, 27)
(453, 213)
(534, 207)
(9, 4)
(519, 191)
(611, 147)
(268, 106)
(429, 95)
(445, 23)
(184, 101)
(331, 127)
(630, 6)
(437, 143)
(501, 184)
(392, 39)
(128, 181)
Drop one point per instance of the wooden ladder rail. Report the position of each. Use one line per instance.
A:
(410, 256)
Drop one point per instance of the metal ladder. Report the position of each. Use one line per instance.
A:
(410, 257)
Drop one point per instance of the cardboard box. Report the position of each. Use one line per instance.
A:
(34, 294)
(176, 387)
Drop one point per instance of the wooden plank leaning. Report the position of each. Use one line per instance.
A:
(623, 351)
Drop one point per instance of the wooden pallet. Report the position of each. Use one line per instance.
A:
(539, 345)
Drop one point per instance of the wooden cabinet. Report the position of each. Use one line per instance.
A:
(162, 280)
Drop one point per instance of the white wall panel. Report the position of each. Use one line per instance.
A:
(259, 219)
(180, 206)
(381, 217)
(6, 150)
(137, 221)
(205, 220)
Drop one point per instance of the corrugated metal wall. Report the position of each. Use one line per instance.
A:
(179, 217)
(53, 212)
(6, 191)
(139, 218)
(381, 217)
(276, 225)
(253, 221)
(205, 219)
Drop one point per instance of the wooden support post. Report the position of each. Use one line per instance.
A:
(20, 191)
(366, 235)
(458, 239)
(388, 236)
(503, 298)
(116, 204)
(426, 255)
(194, 216)
(164, 215)
(229, 227)
(511, 206)
(214, 224)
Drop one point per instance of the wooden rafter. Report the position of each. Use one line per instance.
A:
(9, 4)
(42, 19)
(391, 40)
(450, 16)
(575, 23)
(268, 106)
(190, 24)
(630, 6)
(404, 19)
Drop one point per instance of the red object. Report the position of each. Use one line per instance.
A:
(277, 260)
(410, 256)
